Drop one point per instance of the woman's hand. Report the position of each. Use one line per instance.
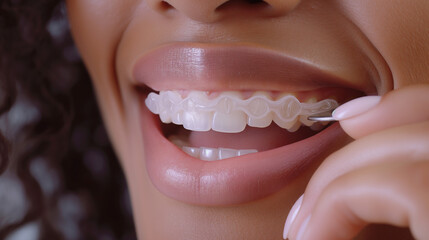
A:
(382, 177)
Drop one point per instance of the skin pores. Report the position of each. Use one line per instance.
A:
(374, 46)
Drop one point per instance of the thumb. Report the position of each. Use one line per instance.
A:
(366, 115)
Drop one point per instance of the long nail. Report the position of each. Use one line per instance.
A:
(355, 107)
(302, 229)
(291, 216)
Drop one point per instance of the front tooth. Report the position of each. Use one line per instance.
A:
(194, 152)
(257, 105)
(246, 151)
(227, 102)
(197, 121)
(233, 122)
(213, 154)
(258, 111)
(209, 154)
(196, 101)
(227, 153)
(260, 122)
(225, 118)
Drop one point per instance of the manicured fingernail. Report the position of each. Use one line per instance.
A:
(292, 215)
(302, 229)
(355, 107)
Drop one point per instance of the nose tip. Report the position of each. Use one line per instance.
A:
(214, 10)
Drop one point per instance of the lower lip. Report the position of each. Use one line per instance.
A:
(231, 181)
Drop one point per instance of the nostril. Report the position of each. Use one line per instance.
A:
(165, 6)
(243, 4)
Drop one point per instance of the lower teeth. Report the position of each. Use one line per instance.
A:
(213, 154)
(207, 153)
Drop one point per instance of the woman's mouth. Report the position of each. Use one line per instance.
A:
(214, 119)
(226, 139)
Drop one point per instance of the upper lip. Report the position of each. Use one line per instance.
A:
(219, 67)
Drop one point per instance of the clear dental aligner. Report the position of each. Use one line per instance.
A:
(229, 112)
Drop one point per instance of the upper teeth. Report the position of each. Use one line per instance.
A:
(230, 113)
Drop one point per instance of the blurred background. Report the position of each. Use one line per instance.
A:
(63, 180)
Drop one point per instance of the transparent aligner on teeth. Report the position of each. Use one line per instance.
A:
(199, 113)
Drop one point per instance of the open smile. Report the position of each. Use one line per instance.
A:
(255, 156)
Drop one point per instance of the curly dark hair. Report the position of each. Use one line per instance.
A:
(52, 141)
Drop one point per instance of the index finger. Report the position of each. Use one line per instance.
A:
(400, 107)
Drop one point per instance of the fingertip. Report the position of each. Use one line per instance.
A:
(355, 107)
(303, 228)
(292, 216)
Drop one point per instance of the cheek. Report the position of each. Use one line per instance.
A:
(398, 30)
(96, 28)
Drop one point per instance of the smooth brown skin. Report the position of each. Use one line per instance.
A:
(383, 43)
